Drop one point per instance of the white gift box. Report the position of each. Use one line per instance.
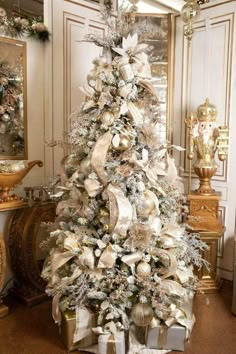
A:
(162, 337)
(112, 343)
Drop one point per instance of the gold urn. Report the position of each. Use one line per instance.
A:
(10, 179)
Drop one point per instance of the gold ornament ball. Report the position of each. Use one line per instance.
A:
(222, 157)
(142, 314)
(124, 143)
(147, 205)
(105, 227)
(143, 269)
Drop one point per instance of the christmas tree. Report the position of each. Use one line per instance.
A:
(117, 249)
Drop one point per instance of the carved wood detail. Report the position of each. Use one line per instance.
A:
(2, 262)
(23, 231)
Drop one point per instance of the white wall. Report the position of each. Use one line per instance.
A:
(207, 69)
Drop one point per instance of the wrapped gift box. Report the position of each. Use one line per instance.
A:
(68, 327)
(162, 337)
(113, 343)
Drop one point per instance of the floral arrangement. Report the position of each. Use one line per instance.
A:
(11, 109)
(17, 27)
(117, 246)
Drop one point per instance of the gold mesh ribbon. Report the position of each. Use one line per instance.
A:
(99, 154)
(162, 337)
(121, 211)
(111, 345)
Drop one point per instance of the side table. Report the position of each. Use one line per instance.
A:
(208, 280)
(23, 233)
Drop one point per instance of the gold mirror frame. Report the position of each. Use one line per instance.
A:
(24, 155)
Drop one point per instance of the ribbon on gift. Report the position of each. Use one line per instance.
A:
(84, 324)
(98, 156)
(162, 336)
(121, 210)
(178, 316)
(112, 342)
(56, 313)
(111, 345)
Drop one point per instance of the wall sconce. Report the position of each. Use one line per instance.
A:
(133, 10)
(191, 10)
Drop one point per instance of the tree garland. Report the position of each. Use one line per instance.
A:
(17, 27)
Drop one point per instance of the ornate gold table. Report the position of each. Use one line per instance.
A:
(3, 308)
(208, 280)
(204, 219)
(24, 232)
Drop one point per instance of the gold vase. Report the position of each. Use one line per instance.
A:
(9, 180)
(205, 174)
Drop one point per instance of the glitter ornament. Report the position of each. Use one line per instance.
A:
(107, 118)
(142, 314)
(143, 269)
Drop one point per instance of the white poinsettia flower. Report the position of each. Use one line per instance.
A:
(130, 46)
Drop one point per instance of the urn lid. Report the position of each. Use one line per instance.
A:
(206, 112)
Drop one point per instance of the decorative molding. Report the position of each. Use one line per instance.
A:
(207, 26)
(3, 262)
(88, 25)
(221, 242)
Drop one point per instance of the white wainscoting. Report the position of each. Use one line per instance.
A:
(207, 68)
(68, 63)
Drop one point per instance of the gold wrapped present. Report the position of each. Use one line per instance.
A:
(68, 329)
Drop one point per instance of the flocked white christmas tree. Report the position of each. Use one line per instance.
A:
(117, 249)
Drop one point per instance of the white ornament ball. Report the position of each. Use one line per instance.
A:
(143, 269)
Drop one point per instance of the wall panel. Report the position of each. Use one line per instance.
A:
(207, 69)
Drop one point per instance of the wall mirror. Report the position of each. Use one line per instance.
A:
(157, 36)
(13, 100)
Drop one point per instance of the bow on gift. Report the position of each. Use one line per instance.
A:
(178, 316)
(84, 323)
